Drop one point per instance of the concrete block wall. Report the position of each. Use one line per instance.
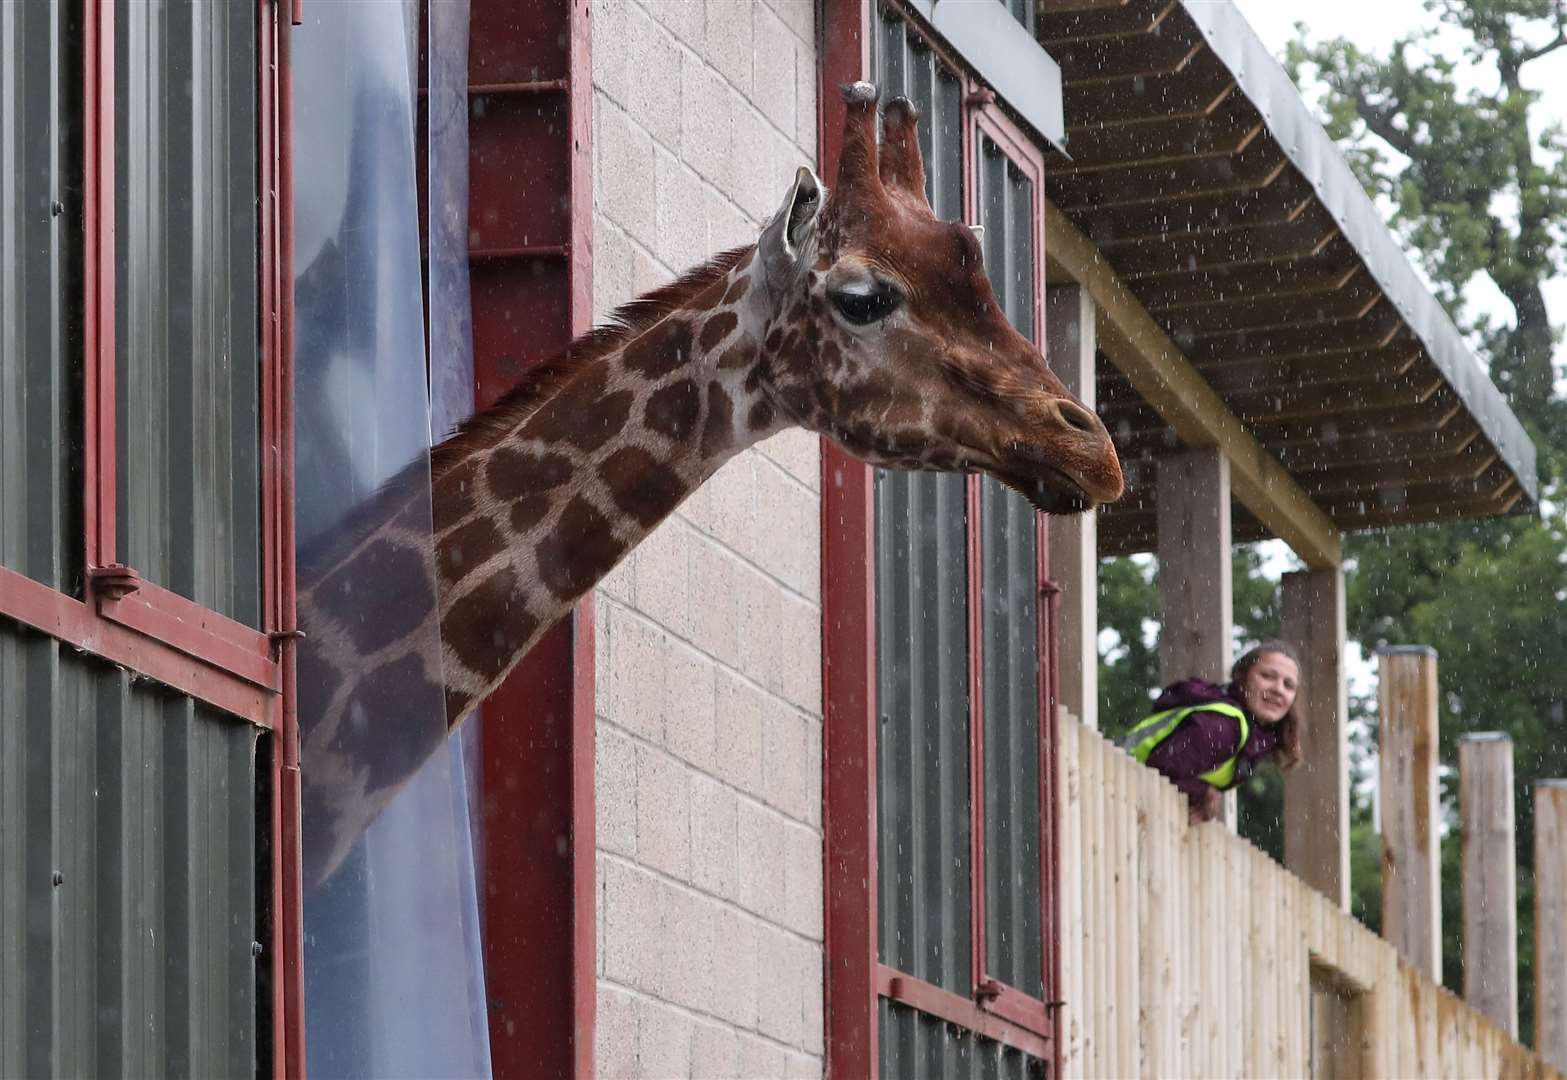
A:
(709, 648)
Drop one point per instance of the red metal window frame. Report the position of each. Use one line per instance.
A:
(856, 978)
(123, 618)
(138, 625)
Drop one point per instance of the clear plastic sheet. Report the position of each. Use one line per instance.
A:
(393, 969)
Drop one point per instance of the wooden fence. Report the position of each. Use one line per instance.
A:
(1186, 952)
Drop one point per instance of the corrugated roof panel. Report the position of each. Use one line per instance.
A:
(128, 880)
(40, 291)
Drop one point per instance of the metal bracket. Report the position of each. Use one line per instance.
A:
(113, 582)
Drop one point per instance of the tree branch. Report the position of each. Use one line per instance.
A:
(1379, 118)
(1555, 43)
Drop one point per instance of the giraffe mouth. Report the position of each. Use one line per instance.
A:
(1057, 494)
(1047, 488)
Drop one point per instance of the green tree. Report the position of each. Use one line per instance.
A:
(1445, 126)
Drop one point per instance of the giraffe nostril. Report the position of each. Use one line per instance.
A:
(1077, 418)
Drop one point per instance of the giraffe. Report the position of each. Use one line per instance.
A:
(857, 315)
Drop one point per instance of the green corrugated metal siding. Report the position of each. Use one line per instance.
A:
(922, 758)
(919, 1047)
(40, 289)
(923, 652)
(922, 745)
(128, 873)
(187, 332)
(1009, 624)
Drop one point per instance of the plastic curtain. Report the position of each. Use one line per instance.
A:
(393, 968)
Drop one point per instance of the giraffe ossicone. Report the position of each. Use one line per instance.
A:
(857, 314)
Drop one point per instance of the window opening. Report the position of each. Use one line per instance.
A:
(961, 677)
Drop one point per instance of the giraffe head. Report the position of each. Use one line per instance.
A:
(887, 338)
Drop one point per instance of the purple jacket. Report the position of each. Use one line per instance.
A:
(1204, 740)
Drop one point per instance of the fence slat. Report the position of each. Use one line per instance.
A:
(1072, 868)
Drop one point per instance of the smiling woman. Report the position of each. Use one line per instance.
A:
(1206, 739)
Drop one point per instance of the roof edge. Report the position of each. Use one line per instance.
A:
(1002, 51)
(1308, 147)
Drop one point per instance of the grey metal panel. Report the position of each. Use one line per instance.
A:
(128, 881)
(1009, 622)
(924, 901)
(904, 66)
(919, 1047)
(922, 749)
(40, 289)
(1268, 87)
(1002, 49)
(1010, 654)
(187, 326)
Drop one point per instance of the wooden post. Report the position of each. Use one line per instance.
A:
(1316, 793)
(1195, 594)
(1485, 798)
(1550, 921)
(1411, 862)
(1070, 347)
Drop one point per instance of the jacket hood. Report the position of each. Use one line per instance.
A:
(1178, 695)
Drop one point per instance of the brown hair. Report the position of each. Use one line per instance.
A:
(1287, 755)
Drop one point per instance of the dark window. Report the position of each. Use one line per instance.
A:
(187, 350)
(40, 293)
(960, 660)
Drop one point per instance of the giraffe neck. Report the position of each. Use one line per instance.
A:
(528, 521)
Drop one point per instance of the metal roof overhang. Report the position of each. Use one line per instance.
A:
(1215, 199)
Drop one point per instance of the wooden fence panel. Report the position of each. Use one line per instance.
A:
(1187, 952)
(1069, 826)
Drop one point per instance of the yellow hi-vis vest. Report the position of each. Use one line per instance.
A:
(1142, 740)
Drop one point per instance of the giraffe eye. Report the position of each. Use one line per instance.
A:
(864, 308)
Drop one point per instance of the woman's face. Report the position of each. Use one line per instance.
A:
(1270, 687)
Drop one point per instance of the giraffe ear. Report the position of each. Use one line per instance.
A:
(790, 238)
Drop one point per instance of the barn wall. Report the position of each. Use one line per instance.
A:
(708, 651)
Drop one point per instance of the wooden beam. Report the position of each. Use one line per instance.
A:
(1060, 21)
(1550, 921)
(1379, 448)
(1071, 351)
(1102, 61)
(1256, 167)
(1169, 383)
(1225, 132)
(1331, 269)
(1316, 794)
(1194, 91)
(1377, 331)
(1195, 589)
(1277, 204)
(1300, 371)
(1345, 300)
(1446, 510)
(1490, 877)
(1249, 246)
(1411, 825)
(1360, 477)
(1440, 410)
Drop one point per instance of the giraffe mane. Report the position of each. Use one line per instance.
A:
(542, 382)
(324, 553)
